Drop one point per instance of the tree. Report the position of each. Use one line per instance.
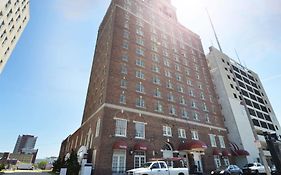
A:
(42, 165)
(72, 164)
(58, 164)
(2, 166)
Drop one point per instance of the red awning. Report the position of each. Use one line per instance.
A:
(226, 153)
(242, 152)
(216, 152)
(140, 147)
(120, 145)
(195, 145)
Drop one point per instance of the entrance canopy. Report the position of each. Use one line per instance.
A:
(236, 151)
(193, 145)
(120, 145)
(140, 147)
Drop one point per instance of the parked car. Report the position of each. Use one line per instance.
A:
(254, 168)
(273, 170)
(228, 170)
(157, 168)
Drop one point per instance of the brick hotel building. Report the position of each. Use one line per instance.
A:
(150, 94)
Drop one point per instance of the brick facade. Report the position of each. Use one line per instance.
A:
(144, 102)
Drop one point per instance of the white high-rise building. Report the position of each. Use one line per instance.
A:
(245, 106)
(14, 15)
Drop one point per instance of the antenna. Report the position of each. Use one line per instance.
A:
(214, 30)
(237, 56)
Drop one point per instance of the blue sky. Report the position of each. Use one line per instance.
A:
(44, 84)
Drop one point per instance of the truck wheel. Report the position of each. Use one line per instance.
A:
(181, 173)
(257, 172)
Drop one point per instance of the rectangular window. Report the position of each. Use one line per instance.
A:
(123, 84)
(181, 133)
(140, 62)
(139, 51)
(139, 159)
(119, 162)
(121, 127)
(167, 131)
(155, 68)
(139, 74)
(158, 107)
(221, 140)
(140, 102)
(124, 69)
(140, 130)
(97, 128)
(213, 140)
(140, 41)
(217, 161)
(194, 135)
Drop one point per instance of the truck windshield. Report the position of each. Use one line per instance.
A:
(147, 164)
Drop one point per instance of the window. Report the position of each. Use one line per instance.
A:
(154, 47)
(158, 106)
(182, 100)
(181, 133)
(155, 68)
(217, 161)
(205, 108)
(191, 93)
(167, 131)
(184, 113)
(177, 67)
(97, 128)
(121, 127)
(193, 104)
(140, 130)
(157, 93)
(213, 140)
(180, 88)
(126, 24)
(140, 62)
(172, 110)
(124, 69)
(156, 80)
(119, 162)
(140, 41)
(155, 58)
(140, 51)
(123, 83)
(221, 140)
(227, 163)
(124, 57)
(169, 84)
(139, 31)
(125, 44)
(139, 159)
(178, 77)
(168, 73)
(139, 74)
(140, 102)
(139, 22)
(166, 62)
(202, 96)
(170, 97)
(194, 135)
(126, 34)
(140, 87)
(207, 118)
(195, 116)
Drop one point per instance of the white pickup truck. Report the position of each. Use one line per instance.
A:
(254, 168)
(157, 168)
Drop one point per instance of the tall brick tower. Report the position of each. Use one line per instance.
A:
(150, 94)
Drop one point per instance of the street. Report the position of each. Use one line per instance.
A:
(18, 172)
